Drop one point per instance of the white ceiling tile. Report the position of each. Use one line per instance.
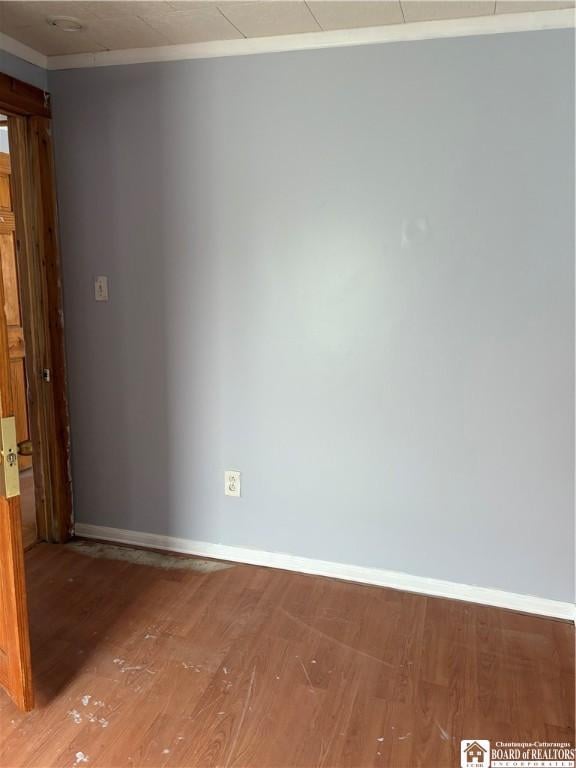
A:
(53, 42)
(191, 5)
(261, 18)
(24, 14)
(110, 9)
(519, 6)
(432, 10)
(197, 26)
(125, 32)
(347, 15)
(109, 24)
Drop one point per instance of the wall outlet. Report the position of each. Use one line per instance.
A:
(231, 483)
(101, 288)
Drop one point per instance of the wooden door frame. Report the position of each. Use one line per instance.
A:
(38, 258)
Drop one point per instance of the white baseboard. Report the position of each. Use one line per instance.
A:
(357, 573)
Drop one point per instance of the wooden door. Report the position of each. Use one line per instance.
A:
(33, 200)
(15, 667)
(13, 308)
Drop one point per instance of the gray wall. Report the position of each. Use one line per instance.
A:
(23, 70)
(346, 273)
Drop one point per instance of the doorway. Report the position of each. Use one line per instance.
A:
(35, 482)
(34, 313)
(17, 347)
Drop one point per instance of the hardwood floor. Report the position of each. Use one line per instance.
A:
(252, 667)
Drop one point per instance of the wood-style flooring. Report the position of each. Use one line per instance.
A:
(257, 668)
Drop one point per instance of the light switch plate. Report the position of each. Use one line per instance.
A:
(101, 288)
(232, 483)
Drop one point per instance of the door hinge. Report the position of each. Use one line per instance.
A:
(9, 471)
(46, 375)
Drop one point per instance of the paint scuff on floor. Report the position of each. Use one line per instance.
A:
(146, 557)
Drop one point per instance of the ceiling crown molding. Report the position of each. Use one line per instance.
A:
(393, 33)
(9, 45)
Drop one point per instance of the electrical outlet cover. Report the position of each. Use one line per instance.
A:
(232, 483)
(101, 288)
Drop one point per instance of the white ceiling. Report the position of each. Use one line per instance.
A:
(111, 25)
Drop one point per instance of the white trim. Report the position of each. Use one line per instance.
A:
(357, 573)
(22, 51)
(392, 33)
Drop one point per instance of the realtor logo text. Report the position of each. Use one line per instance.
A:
(480, 753)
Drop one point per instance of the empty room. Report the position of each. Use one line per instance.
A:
(287, 384)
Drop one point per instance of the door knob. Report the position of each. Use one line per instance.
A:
(25, 448)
